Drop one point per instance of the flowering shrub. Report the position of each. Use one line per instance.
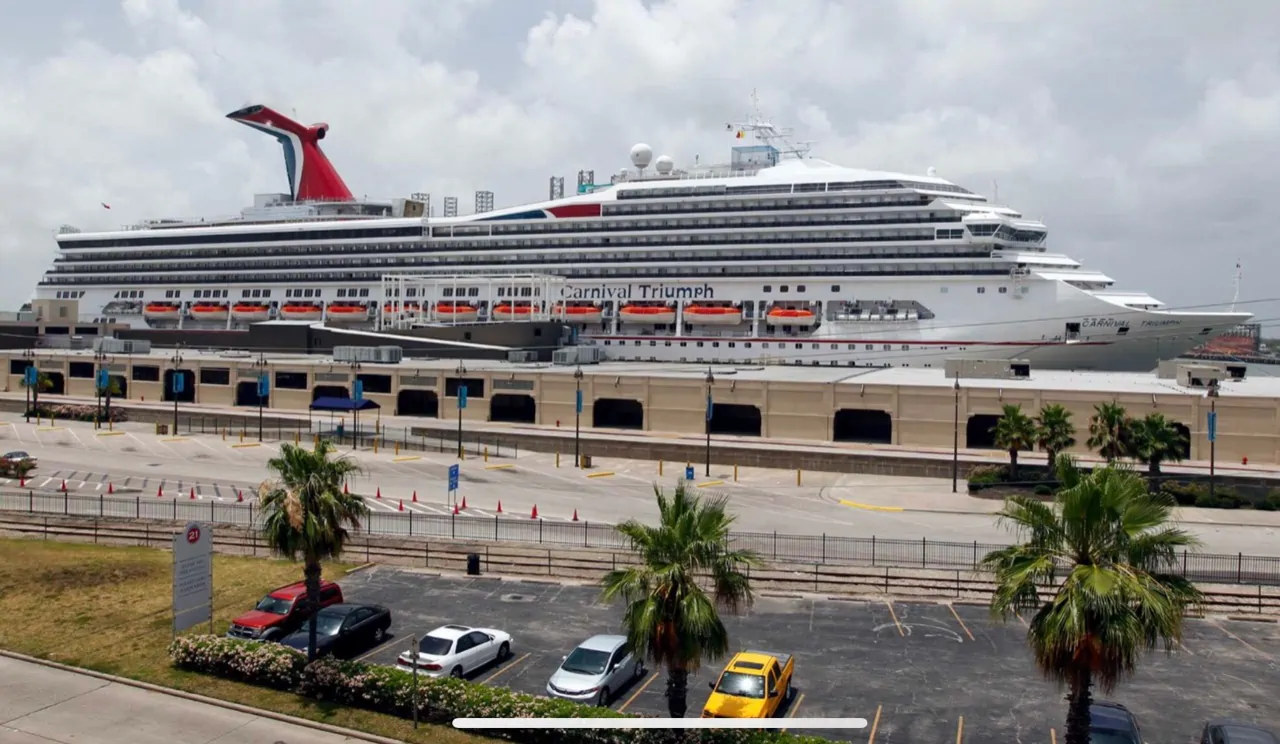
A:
(390, 690)
(266, 664)
(78, 413)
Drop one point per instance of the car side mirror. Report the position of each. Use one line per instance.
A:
(564, 658)
(774, 694)
(712, 685)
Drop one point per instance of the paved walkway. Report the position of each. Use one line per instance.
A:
(43, 705)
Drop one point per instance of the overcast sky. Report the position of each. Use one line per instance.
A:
(1146, 134)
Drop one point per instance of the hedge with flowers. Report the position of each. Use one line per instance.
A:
(390, 690)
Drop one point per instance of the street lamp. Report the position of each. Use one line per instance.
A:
(176, 384)
(955, 440)
(33, 388)
(102, 385)
(577, 417)
(1213, 434)
(261, 365)
(710, 381)
(462, 403)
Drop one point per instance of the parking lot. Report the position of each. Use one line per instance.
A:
(920, 673)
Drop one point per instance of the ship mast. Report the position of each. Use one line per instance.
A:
(776, 137)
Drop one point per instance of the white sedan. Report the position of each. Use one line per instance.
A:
(457, 650)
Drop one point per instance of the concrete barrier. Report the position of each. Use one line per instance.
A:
(589, 565)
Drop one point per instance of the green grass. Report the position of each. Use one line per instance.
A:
(107, 609)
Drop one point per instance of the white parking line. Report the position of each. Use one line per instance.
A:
(45, 483)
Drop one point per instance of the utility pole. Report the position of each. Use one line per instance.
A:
(264, 387)
(102, 385)
(1213, 436)
(462, 403)
(710, 405)
(177, 384)
(31, 381)
(955, 440)
(577, 417)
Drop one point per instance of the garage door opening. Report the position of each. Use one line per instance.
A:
(979, 432)
(247, 394)
(57, 383)
(863, 425)
(617, 413)
(418, 403)
(513, 408)
(188, 394)
(329, 391)
(735, 419)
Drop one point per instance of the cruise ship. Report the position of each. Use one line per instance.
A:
(775, 257)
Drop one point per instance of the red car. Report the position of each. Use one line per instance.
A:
(281, 612)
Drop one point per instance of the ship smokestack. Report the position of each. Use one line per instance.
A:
(311, 175)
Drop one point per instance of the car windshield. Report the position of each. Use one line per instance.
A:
(274, 605)
(586, 661)
(17, 456)
(434, 645)
(327, 624)
(1111, 736)
(741, 685)
(1237, 735)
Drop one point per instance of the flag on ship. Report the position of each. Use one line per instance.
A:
(106, 205)
(739, 135)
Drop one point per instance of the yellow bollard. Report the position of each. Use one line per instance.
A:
(659, 467)
(797, 476)
(111, 425)
(557, 458)
(735, 473)
(315, 441)
(224, 433)
(375, 445)
(462, 453)
(297, 438)
(242, 435)
(486, 453)
(397, 449)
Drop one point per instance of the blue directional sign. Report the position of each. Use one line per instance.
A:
(179, 382)
(454, 471)
(579, 401)
(1213, 426)
(710, 406)
(104, 379)
(264, 385)
(462, 396)
(33, 376)
(357, 391)
(688, 473)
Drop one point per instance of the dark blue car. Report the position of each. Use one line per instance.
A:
(344, 630)
(1112, 723)
(1226, 731)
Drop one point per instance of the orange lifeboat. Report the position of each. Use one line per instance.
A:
(250, 312)
(647, 314)
(713, 314)
(456, 311)
(302, 311)
(791, 316)
(404, 307)
(508, 311)
(347, 313)
(161, 311)
(578, 313)
(209, 311)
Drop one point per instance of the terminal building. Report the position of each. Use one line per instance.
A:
(901, 407)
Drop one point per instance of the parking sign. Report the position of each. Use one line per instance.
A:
(454, 472)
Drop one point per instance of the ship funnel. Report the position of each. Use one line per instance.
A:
(311, 175)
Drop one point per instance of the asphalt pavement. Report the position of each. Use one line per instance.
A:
(132, 459)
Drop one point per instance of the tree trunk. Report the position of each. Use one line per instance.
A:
(677, 691)
(1153, 468)
(1079, 698)
(1051, 459)
(311, 574)
(1013, 465)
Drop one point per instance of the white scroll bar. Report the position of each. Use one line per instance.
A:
(659, 723)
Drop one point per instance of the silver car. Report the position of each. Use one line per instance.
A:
(596, 670)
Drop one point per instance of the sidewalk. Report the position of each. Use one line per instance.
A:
(41, 704)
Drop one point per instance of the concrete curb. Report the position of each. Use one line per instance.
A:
(247, 710)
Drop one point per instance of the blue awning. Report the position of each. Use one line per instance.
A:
(342, 404)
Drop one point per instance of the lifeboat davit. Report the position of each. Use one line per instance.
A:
(302, 311)
(456, 311)
(713, 314)
(209, 311)
(347, 313)
(161, 311)
(650, 314)
(508, 311)
(250, 312)
(791, 316)
(578, 313)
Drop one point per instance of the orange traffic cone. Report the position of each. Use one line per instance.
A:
(193, 493)
(344, 489)
(575, 515)
(239, 496)
(455, 508)
(464, 502)
(159, 492)
(64, 485)
(415, 497)
(499, 506)
(534, 515)
(401, 504)
(22, 481)
(110, 489)
(378, 495)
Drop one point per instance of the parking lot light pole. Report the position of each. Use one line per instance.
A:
(175, 385)
(462, 370)
(413, 656)
(577, 417)
(710, 381)
(955, 440)
(261, 364)
(101, 373)
(30, 356)
(1213, 436)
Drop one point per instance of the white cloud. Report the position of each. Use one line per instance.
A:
(1139, 131)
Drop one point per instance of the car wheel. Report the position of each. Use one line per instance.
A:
(456, 673)
(379, 634)
(639, 670)
(504, 651)
(603, 702)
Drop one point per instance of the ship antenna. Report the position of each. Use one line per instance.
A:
(777, 138)
(1235, 296)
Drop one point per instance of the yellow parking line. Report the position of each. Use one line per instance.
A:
(963, 627)
(1053, 736)
(894, 615)
(652, 676)
(794, 707)
(870, 507)
(605, 474)
(1023, 619)
(875, 724)
(111, 433)
(377, 648)
(406, 458)
(176, 439)
(710, 483)
(1245, 643)
(960, 731)
(506, 466)
(504, 669)
(246, 444)
(51, 428)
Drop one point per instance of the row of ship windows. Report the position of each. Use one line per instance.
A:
(764, 253)
(786, 188)
(70, 295)
(584, 273)
(704, 207)
(763, 345)
(901, 218)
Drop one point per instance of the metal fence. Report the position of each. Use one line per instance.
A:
(771, 546)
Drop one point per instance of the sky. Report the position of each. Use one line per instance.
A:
(1146, 134)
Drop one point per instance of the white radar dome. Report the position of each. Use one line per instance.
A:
(932, 172)
(664, 164)
(641, 155)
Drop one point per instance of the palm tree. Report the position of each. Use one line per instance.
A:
(670, 619)
(1054, 433)
(1110, 541)
(43, 383)
(1155, 439)
(306, 514)
(1014, 432)
(1109, 431)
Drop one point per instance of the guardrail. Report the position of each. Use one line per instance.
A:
(589, 565)
(821, 549)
